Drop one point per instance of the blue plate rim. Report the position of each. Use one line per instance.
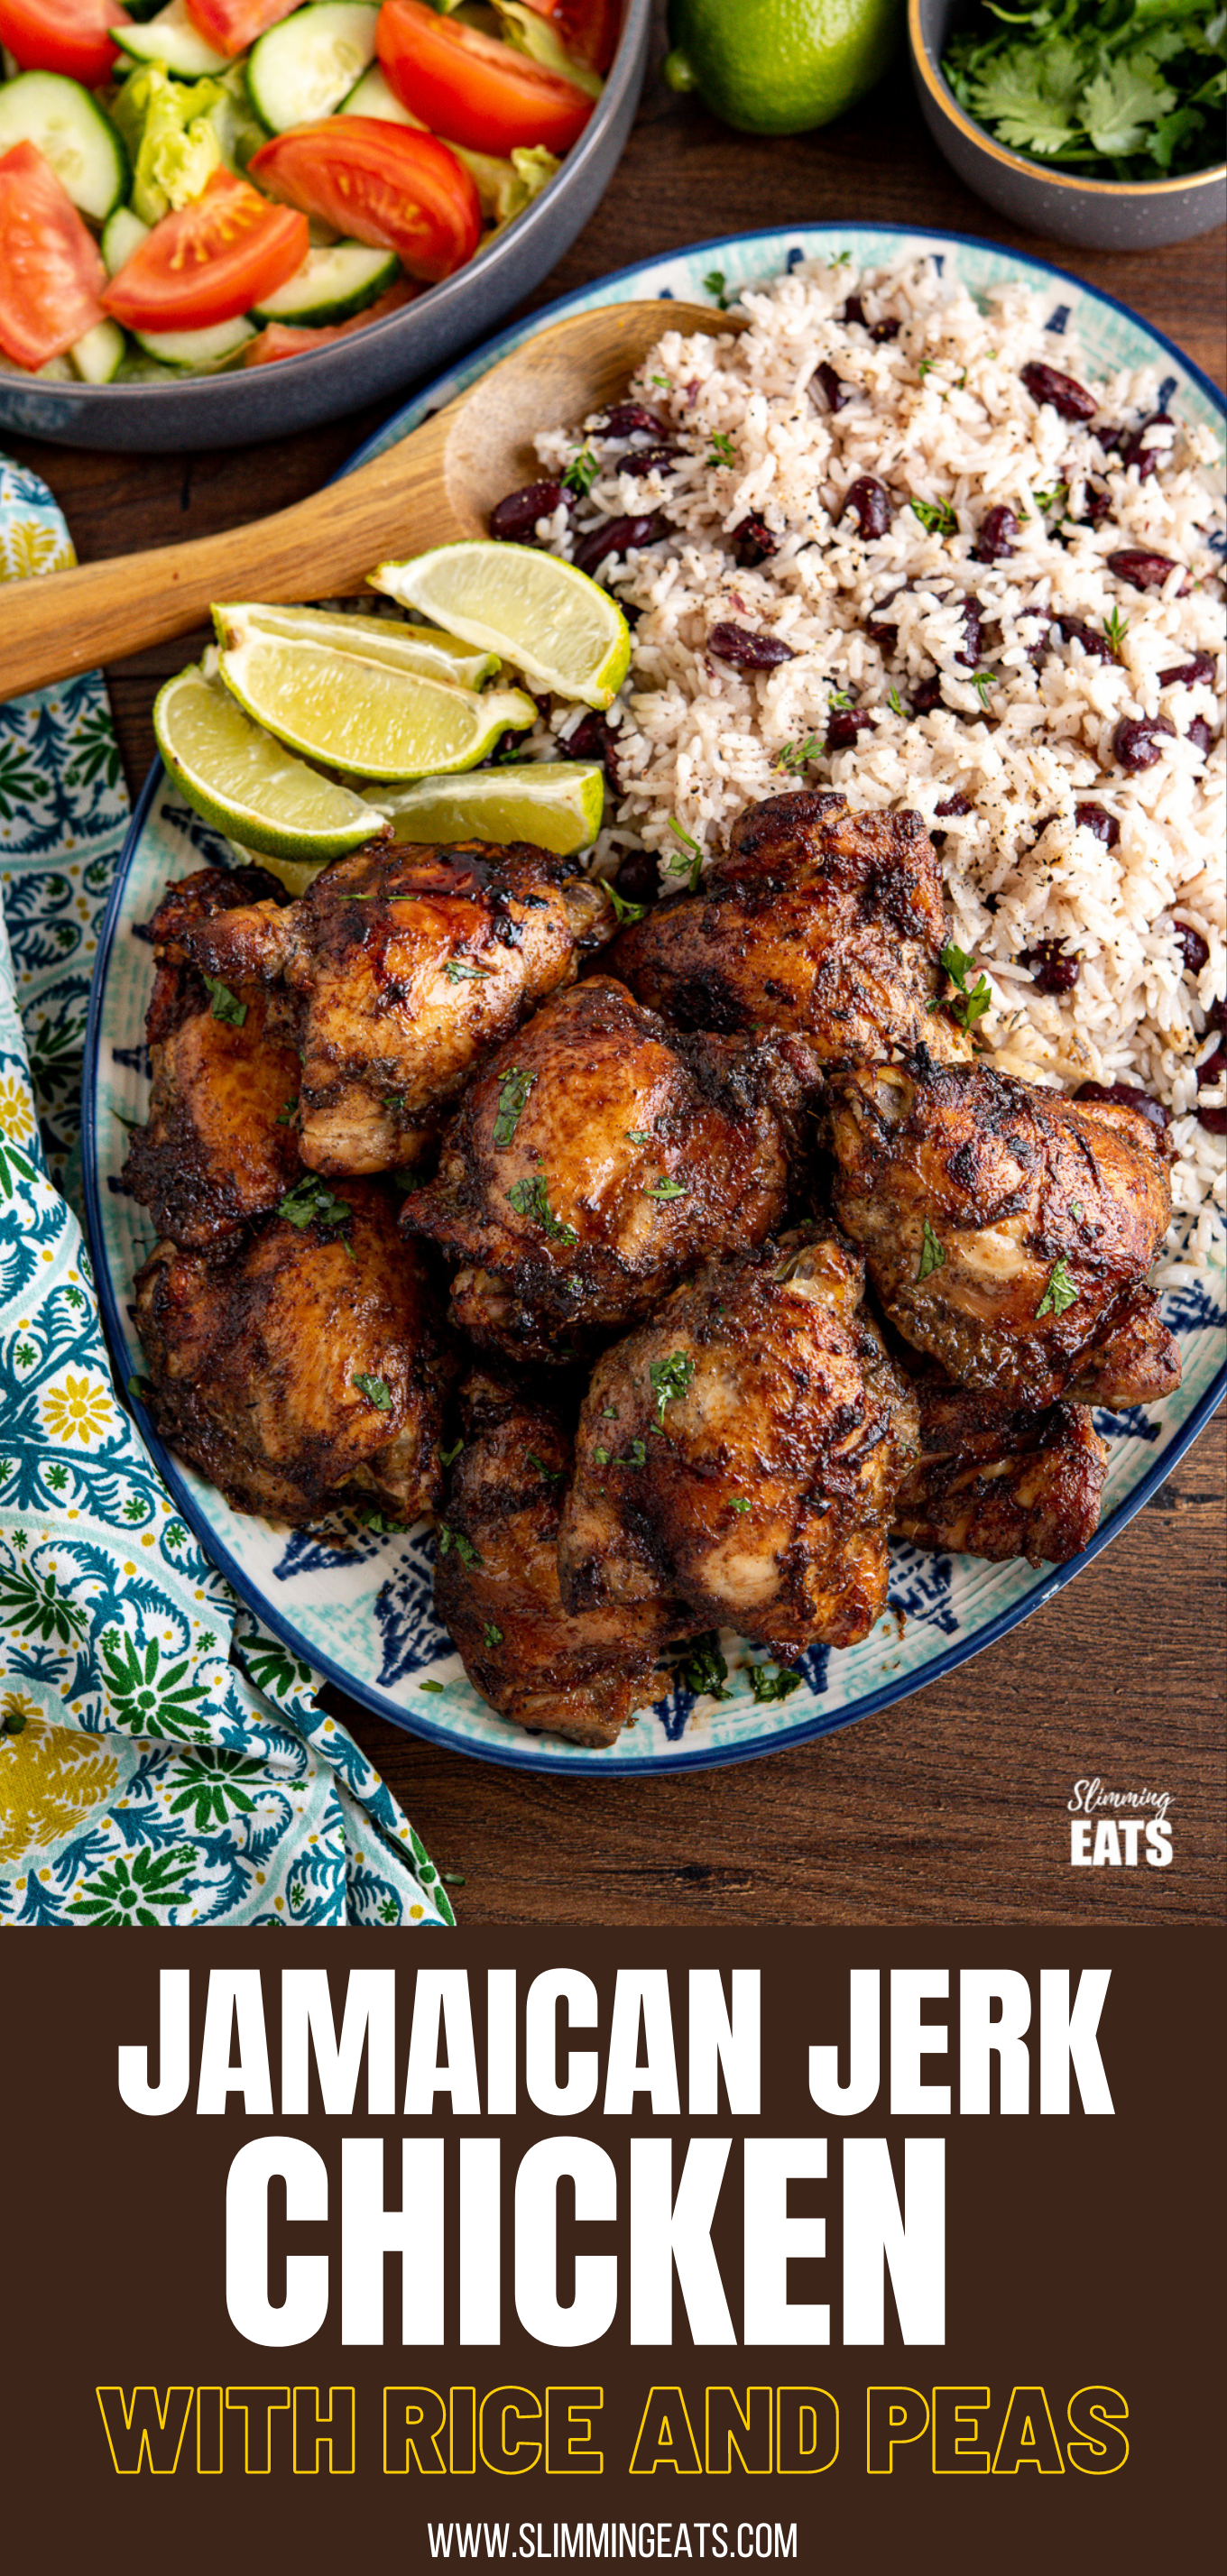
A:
(524, 1757)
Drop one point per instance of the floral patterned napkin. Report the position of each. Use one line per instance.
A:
(163, 1761)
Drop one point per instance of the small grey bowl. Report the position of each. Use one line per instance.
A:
(297, 393)
(1096, 214)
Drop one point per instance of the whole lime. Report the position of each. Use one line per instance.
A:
(779, 66)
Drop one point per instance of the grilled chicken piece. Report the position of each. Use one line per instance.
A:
(995, 1480)
(496, 1580)
(815, 920)
(219, 1147)
(1007, 1229)
(738, 1457)
(303, 1365)
(594, 1159)
(405, 966)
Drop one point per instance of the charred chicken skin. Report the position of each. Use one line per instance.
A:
(738, 1457)
(995, 1480)
(496, 1580)
(303, 1365)
(1008, 1230)
(402, 967)
(596, 1157)
(815, 920)
(219, 1147)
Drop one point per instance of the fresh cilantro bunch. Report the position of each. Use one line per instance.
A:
(1130, 89)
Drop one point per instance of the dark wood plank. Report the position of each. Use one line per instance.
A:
(952, 1805)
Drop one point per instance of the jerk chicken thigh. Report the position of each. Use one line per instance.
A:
(397, 971)
(218, 1148)
(496, 1579)
(596, 1157)
(997, 1480)
(815, 920)
(1007, 1230)
(302, 1364)
(738, 1457)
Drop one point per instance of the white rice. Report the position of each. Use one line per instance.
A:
(941, 412)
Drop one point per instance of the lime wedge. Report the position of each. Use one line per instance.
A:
(556, 804)
(296, 875)
(363, 717)
(557, 627)
(242, 782)
(423, 650)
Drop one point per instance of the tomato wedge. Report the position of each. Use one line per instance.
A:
(473, 89)
(230, 26)
(51, 272)
(68, 36)
(289, 339)
(381, 183)
(209, 262)
(588, 28)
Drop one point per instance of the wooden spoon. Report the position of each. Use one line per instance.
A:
(438, 484)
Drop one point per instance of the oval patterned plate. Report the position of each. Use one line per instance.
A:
(360, 1611)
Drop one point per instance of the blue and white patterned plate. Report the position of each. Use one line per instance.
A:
(361, 1613)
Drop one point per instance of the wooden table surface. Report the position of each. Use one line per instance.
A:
(951, 1806)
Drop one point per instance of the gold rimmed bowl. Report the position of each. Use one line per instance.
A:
(1096, 214)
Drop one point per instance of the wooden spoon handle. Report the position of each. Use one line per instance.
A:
(323, 547)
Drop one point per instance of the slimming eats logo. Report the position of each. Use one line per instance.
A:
(1117, 1828)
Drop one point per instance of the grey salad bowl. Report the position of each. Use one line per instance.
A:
(254, 403)
(1095, 214)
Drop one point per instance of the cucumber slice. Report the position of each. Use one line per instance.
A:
(306, 65)
(121, 235)
(331, 284)
(97, 357)
(72, 133)
(171, 39)
(195, 348)
(374, 97)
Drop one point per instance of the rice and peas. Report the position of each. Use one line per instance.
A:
(1024, 727)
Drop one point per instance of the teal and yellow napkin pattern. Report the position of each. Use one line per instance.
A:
(163, 1760)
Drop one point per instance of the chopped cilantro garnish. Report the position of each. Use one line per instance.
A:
(513, 1094)
(448, 1457)
(937, 518)
(972, 1000)
(376, 1390)
(716, 284)
(664, 1189)
(702, 1668)
(773, 1681)
(284, 1116)
(551, 1474)
(465, 1550)
(490, 1636)
(581, 473)
(670, 1379)
(532, 1198)
(797, 756)
(691, 864)
(225, 1004)
(311, 1202)
(637, 1136)
(623, 908)
(1047, 502)
(722, 450)
(932, 1253)
(459, 971)
(740, 1502)
(1060, 1291)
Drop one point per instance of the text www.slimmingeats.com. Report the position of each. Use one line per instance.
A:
(489, 2542)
